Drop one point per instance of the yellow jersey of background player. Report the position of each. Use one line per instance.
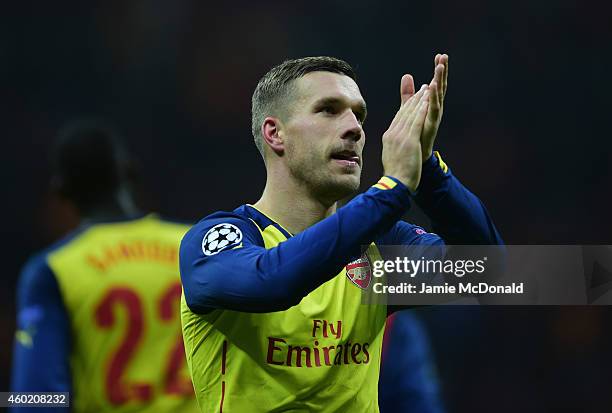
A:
(98, 311)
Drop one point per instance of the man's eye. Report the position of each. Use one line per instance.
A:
(328, 109)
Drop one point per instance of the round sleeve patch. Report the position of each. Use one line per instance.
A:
(220, 237)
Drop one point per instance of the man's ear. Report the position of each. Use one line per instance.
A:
(272, 135)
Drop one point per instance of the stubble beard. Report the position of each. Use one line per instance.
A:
(324, 185)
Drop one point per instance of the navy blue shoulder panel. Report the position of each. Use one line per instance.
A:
(262, 220)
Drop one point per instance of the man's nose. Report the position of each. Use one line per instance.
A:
(354, 130)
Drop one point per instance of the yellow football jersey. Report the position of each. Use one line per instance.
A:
(309, 358)
(121, 289)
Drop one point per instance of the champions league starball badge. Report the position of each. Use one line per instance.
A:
(220, 237)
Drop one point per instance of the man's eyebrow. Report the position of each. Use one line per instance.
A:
(362, 109)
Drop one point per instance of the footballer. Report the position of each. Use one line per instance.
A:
(271, 312)
(98, 311)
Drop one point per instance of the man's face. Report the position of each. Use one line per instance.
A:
(323, 134)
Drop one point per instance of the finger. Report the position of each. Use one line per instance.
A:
(438, 80)
(444, 61)
(436, 63)
(416, 126)
(416, 97)
(405, 103)
(410, 109)
(435, 101)
(406, 88)
(403, 114)
(411, 102)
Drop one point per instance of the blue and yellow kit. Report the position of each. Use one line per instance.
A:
(98, 316)
(273, 321)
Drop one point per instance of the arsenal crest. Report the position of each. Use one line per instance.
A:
(360, 272)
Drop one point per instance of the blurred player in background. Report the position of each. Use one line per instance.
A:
(98, 311)
(272, 314)
(408, 379)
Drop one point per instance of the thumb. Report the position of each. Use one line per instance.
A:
(406, 88)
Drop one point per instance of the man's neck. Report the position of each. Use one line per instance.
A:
(121, 206)
(292, 206)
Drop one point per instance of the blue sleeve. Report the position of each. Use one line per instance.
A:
(457, 215)
(242, 275)
(404, 233)
(408, 381)
(42, 342)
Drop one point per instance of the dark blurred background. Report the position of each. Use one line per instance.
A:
(525, 127)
